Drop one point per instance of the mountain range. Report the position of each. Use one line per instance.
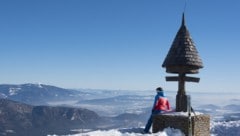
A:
(21, 119)
(37, 109)
(24, 110)
(38, 94)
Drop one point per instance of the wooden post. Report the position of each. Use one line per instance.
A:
(181, 84)
(181, 98)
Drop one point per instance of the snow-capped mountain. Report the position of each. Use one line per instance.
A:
(38, 94)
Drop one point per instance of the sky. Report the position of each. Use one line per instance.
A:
(116, 44)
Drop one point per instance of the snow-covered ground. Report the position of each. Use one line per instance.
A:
(129, 132)
(231, 128)
(224, 128)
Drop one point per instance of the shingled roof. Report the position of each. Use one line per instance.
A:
(183, 53)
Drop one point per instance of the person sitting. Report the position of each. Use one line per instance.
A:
(160, 105)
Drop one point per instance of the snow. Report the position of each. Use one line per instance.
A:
(227, 124)
(39, 85)
(2, 95)
(181, 113)
(73, 118)
(13, 91)
(129, 132)
(230, 128)
(224, 128)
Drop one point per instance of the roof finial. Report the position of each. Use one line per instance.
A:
(183, 20)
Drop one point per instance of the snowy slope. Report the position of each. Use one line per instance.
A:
(231, 128)
(129, 132)
(223, 128)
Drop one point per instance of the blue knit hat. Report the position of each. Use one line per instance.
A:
(159, 89)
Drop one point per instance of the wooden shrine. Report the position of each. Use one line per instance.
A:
(183, 59)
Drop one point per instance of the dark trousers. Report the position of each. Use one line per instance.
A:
(149, 123)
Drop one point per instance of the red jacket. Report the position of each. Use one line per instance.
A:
(161, 103)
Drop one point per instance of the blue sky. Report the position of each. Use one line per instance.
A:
(116, 44)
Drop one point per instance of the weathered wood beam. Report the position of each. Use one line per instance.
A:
(172, 78)
(192, 79)
(188, 79)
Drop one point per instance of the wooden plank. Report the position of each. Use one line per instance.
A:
(172, 78)
(192, 79)
(188, 79)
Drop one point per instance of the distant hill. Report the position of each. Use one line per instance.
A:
(209, 107)
(21, 119)
(38, 94)
(232, 107)
(116, 100)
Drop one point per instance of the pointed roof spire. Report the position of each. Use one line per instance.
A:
(183, 19)
(183, 55)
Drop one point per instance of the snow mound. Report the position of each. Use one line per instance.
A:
(223, 128)
(130, 132)
(181, 113)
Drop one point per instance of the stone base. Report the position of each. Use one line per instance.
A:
(200, 124)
